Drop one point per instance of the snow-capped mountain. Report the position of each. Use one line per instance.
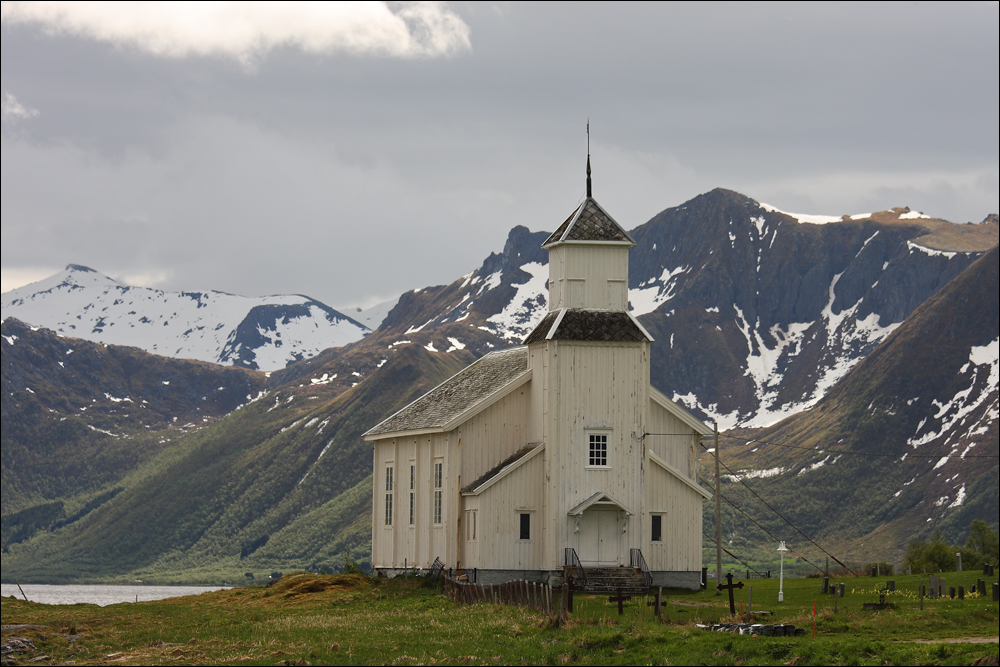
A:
(921, 409)
(264, 333)
(756, 312)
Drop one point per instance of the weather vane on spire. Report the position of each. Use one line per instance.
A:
(589, 192)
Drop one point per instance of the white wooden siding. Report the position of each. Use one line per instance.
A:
(595, 386)
(417, 545)
(681, 509)
(494, 434)
(680, 451)
(499, 514)
(588, 276)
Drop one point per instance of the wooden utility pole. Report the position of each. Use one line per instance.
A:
(718, 516)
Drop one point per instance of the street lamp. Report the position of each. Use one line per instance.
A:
(781, 577)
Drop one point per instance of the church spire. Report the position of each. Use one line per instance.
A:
(589, 192)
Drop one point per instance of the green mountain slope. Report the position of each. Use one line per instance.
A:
(283, 482)
(79, 417)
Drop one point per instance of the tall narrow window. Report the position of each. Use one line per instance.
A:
(438, 492)
(525, 526)
(413, 486)
(388, 496)
(656, 534)
(598, 449)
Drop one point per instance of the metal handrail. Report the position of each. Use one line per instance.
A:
(638, 561)
(573, 561)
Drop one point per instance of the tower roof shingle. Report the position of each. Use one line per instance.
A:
(589, 222)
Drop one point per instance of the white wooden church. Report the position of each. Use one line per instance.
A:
(553, 454)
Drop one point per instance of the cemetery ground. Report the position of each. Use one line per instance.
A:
(352, 619)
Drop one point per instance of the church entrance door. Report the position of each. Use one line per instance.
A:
(599, 538)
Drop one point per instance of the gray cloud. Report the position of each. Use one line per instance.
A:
(354, 178)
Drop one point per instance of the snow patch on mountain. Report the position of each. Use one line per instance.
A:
(526, 309)
(803, 217)
(953, 420)
(258, 332)
(653, 293)
(372, 316)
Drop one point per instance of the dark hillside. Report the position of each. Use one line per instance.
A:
(291, 464)
(79, 417)
(912, 432)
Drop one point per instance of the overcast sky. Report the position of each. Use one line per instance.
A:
(353, 152)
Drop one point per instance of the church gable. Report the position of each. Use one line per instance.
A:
(463, 394)
(658, 398)
(504, 468)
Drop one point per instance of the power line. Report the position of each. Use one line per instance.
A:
(766, 504)
(734, 556)
(772, 536)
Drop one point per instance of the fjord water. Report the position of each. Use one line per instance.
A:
(100, 595)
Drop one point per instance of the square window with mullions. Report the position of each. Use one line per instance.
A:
(598, 449)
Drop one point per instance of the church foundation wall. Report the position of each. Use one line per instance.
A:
(688, 580)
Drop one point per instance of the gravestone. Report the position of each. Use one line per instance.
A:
(620, 599)
(842, 588)
(941, 587)
(571, 588)
(961, 592)
(981, 586)
(932, 587)
(730, 586)
(826, 585)
(951, 592)
(996, 592)
(656, 602)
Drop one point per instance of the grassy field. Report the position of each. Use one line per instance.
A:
(351, 619)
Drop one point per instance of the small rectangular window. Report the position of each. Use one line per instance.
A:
(413, 495)
(525, 526)
(657, 528)
(438, 495)
(598, 449)
(388, 496)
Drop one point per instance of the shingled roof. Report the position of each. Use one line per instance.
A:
(458, 394)
(589, 222)
(588, 325)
